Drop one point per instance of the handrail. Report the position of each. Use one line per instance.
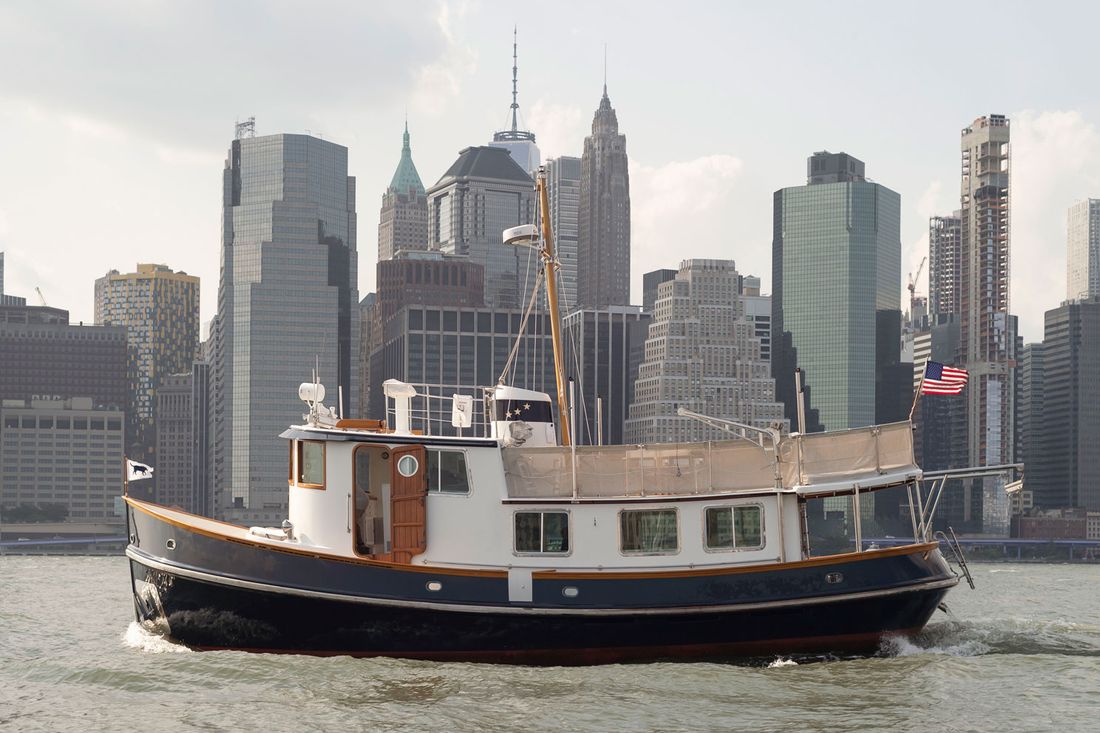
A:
(429, 415)
(742, 431)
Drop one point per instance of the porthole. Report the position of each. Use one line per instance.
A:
(570, 592)
(435, 586)
(170, 544)
(407, 466)
(834, 578)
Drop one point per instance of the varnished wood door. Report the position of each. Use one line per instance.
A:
(408, 511)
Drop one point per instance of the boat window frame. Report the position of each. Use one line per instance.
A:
(298, 462)
(733, 527)
(643, 553)
(542, 534)
(465, 462)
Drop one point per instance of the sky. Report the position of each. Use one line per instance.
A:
(115, 117)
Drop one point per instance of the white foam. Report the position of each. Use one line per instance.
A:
(781, 662)
(138, 637)
(900, 646)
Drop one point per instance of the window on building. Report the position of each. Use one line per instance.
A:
(447, 472)
(542, 532)
(311, 464)
(648, 531)
(735, 528)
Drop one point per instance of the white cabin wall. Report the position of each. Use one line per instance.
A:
(476, 530)
(792, 529)
(320, 516)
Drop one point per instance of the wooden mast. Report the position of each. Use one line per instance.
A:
(550, 267)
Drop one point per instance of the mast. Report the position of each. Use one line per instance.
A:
(550, 267)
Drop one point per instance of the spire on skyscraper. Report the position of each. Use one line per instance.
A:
(514, 133)
(605, 71)
(406, 177)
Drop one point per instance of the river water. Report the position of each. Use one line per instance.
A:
(1021, 653)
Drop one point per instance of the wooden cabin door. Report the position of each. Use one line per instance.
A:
(408, 495)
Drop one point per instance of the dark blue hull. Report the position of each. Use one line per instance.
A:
(213, 593)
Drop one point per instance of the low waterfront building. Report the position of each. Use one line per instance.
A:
(64, 453)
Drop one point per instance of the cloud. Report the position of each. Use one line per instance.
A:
(683, 206)
(438, 83)
(560, 128)
(1055, 162)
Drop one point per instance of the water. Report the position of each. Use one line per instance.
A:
(1021, 653)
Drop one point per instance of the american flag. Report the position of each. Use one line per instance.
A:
(941, 379)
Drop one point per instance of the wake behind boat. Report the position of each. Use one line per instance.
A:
(516, 545)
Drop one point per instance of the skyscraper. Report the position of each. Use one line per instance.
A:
(403, 220)
(1030, 401)
(944, 250)
(603, 349)
(603, 234)
(563, 187)
(483, 193)
(160, 310)
(702, 353)
(836, 303)
(987, 343)
(1083, 250)
(650, 283)
(176, 443)
(520, 144)
(288, 299)
(1066, 475)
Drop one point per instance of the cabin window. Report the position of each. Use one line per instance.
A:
(542, 532)
(735, 527)
(447, 472)
(311, 464)
(648, 531)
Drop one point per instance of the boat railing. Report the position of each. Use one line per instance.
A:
(847, 456)
(430, 410)
(838, 462)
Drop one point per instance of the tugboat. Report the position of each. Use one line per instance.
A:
(518, 546)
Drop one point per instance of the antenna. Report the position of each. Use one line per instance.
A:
(605, 69)
(515, 70)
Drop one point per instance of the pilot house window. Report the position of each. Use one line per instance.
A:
(735, 528)
(542, 532)
(311, 464)
(447, 472)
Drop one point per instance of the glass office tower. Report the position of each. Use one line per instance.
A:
(288, 299)
(837, 289)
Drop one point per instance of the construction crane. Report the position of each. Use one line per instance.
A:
(41, 298)
(913, 284)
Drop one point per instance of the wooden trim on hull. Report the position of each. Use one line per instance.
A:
(851, 643)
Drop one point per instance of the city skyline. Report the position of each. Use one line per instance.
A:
(127, 144)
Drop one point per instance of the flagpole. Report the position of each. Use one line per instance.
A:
(125, 477)
(916, 397)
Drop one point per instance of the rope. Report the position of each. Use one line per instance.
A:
(522, 329)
